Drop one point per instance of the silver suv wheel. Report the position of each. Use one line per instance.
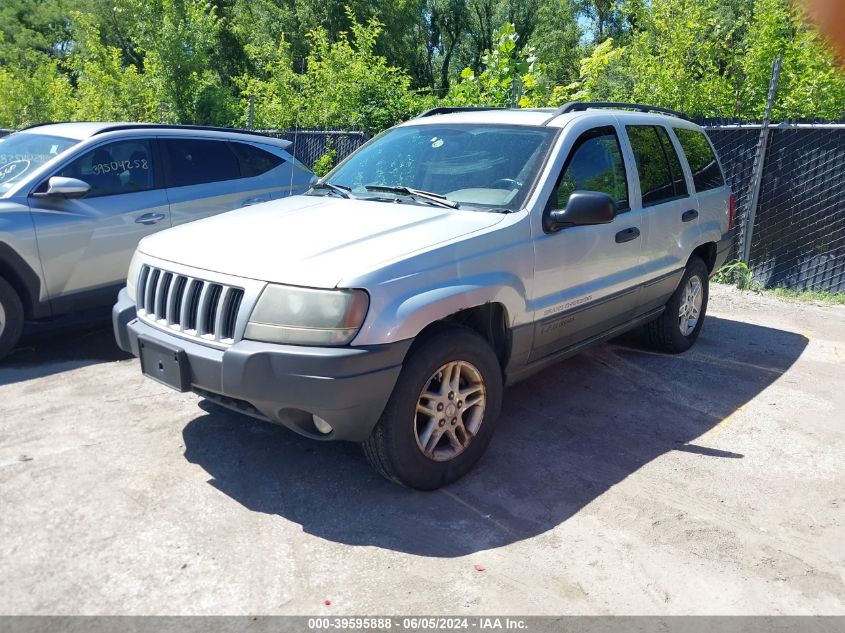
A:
(690, 309)
(450, 411)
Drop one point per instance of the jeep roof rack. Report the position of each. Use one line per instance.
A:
(580, 106)
(451, 109)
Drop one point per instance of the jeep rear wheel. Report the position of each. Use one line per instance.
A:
(677, 329)
(11, 318)
(442, 412)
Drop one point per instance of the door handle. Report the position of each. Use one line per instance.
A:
(149, 218)
(627, 235)
(689, 216)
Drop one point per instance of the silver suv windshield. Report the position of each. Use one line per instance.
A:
(22, 154)
(490, 167)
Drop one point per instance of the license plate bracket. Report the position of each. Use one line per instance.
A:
(165, 364)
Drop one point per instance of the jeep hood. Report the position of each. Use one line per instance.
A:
(312, 241)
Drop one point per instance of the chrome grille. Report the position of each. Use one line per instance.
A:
(195, 307)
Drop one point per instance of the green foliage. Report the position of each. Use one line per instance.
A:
(368, 64)
(511, 76)
(106, 89)
(34, 93)
(737, 273)
(324, 164)
(345, 84)
(817, 296)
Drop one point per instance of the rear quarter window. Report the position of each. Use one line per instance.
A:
(706, 173)
(253, 160)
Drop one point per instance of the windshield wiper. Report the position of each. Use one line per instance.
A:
(436, 198)
(340, 190)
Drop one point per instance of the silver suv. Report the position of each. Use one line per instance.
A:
(450, 256)
(76, 198)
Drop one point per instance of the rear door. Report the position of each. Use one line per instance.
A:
(85, 244)
(205, 177)
(709, 182)
(669, 213)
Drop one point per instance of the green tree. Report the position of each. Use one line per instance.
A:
(510, 77)
(106, 88)
(37, 92)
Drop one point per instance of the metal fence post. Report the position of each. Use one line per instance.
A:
(759, 163)
(251, 114)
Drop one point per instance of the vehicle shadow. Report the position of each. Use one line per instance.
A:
(565, 437)
(57, 346)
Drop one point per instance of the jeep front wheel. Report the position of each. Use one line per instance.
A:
(442, 412)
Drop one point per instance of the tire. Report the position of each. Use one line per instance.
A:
(11, 318)
(665, 332)
(420, 451)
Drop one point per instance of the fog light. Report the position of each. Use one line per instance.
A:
(322, 426)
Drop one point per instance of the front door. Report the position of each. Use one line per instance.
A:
(586, 276)
(85, 244)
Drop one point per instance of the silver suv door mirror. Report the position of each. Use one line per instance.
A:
(583, 208)
(61, 187)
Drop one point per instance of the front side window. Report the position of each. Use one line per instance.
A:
(483, 166)
(196, 162)
(114, 168)
(706, 173)
(594, 164)
(658, 182)
(23, 153)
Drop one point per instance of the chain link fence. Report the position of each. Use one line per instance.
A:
(798, 236)
(309, 145)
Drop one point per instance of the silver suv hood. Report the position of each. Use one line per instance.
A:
(312, 241)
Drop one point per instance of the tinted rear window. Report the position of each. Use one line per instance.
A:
(194, 162)
(706, 173)
(254, 161)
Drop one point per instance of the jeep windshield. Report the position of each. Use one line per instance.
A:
(487, 167)
(22, 154)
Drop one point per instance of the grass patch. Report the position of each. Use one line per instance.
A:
(737, 273)
(820, 296)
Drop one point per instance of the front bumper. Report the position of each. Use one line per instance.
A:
(348, 387)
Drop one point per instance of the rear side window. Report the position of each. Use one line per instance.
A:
(253, 160)
(678, 180)
(594, 164)
(661, 176)
(706, 173)
(194, 162)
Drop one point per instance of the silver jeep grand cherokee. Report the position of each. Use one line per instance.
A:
(76, 198)
(452, 255)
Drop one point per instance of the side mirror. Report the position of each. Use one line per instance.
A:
(583, 208)
(61, 187)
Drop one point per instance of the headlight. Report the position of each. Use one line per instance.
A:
(132, 276)
(305, 316)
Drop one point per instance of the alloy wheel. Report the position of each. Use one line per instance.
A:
(450, 410)
(690, 310)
